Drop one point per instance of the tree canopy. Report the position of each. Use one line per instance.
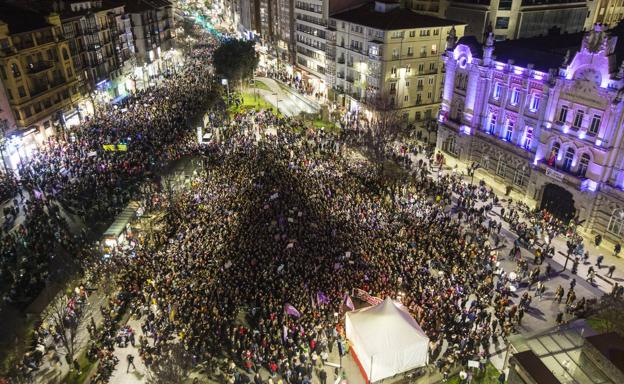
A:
(235, 60)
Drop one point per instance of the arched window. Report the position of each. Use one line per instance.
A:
(616, 223)
(583, 165)
(567, 160)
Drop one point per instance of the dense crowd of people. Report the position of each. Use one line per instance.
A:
(276, 222)
(80, 176)
(256, 257)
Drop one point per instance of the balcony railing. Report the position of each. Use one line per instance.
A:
(39, 67)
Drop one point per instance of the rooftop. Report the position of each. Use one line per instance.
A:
(395, 19)
(21, 20)
(544, 52)
(136, 6)
(611, 346)
(534, 366)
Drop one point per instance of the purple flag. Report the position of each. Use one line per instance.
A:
(321, 298)
(289, 309)
(348, 302)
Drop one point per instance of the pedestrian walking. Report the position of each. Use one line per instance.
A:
(323, 376)
(130, 359)
(599, 261)
(611, 270)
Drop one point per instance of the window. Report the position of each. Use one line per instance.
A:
(501, 167)
(436, 32)
(407, 84)
(65, 54)
(616, 223)
(408, 68)
(406, 98)
(15, 70)
(9, 93)
(528, 137)
(521, 176)
(421, 68)
(418, 99)
(373, 50)
(412, 34)
(429, 95)
(568, 159)
(594, 127)
(432, 67)
(563, 114)
(502, 22)
(393, 71)
(505, 5)
(423, 51)
(492, 124)
(515, 96)
(417, 116)
(410, 51)
(583, 165)
(509, 130)
(498, 89)
(395, 54)
(578, 119)
(431, 80)
(21, 91)
(434, 49)
(534, 104)
(419, 84)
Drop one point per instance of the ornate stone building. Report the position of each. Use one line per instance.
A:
(543, 116)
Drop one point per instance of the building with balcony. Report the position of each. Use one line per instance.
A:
(153, 35)
(608, 12)
(543, 116)
(515, 19)
(38, 77)
(385, 51)
(101, 44)
(314, 38)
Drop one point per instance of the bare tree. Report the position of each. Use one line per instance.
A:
(173, 366)
(385, 127)
(65, 321)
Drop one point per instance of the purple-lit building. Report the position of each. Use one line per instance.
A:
(545, 117)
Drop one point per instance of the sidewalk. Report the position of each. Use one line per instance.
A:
(602, 281)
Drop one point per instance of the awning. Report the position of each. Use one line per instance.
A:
(119, 225)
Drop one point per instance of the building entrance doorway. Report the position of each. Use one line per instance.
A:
(559, 202)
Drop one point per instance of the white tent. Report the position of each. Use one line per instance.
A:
(386, 340)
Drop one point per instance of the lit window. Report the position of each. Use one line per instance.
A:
(492, 125)
(528, 137)
(509, 130)
(568, 159)
(497, 91)
(534, 105)
(515, 96)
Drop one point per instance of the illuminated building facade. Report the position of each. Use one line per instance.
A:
(383, 50)
(543, 117)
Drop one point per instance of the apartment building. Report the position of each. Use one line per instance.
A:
(385, 51)
(153, 31)
(543, 122)
(38, 77)
(313, 34)
(101, 44)
(515, 19)
(608, 12)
